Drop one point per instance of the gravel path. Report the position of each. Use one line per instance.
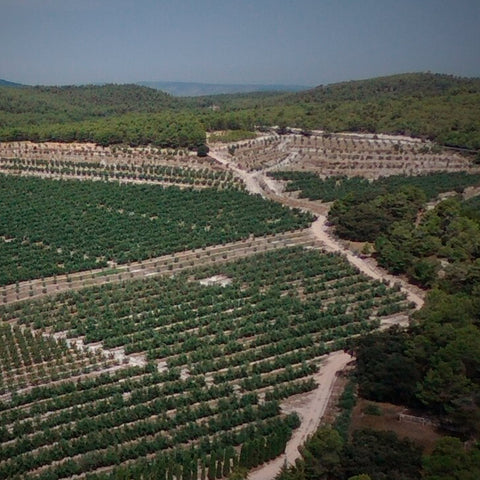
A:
(311, 407)
(310, 410)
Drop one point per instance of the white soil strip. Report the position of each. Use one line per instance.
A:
(251, 183)
(319, 229)
(310, 408)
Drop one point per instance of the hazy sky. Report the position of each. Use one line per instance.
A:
(306, 42)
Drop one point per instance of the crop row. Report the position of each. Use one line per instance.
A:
(170, 265)
(52, 227)
(162, 174)
(329, 189)
(221, 357)
(332, 155)
(28, 359)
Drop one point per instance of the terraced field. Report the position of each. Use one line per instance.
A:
(221, 355)
(124, 173)
(164, 167)
(346, 154)
(311, 186)
(57, 227)
(153, 332)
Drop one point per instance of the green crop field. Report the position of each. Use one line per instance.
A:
(218, 361)
(53, 227)
(334, 188)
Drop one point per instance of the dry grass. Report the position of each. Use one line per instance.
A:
(424, 435)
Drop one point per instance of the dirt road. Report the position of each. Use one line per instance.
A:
(310, 409)
(319, 228)
(259, 183)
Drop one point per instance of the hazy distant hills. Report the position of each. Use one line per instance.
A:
(6, 83)
(435, 106)
(192, 89)
(196, 89)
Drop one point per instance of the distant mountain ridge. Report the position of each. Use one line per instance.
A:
(196, 89)
(6, 83)
(440, 107)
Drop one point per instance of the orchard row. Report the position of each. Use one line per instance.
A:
(221, 357)
(53, 227)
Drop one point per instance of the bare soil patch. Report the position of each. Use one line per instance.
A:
(347, 154)
(423, 434)
(221, 280)
(310, 407)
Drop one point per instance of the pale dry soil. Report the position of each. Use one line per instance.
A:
(311, 406)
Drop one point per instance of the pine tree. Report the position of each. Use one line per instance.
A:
(212, 467)
(186, 472)
(226, 463)
(261, 451)
(194, 469)
(243, 456)
(255, 453)
(219, 470)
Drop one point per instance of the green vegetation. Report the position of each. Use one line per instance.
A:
(105, 115)
(358, 189)
(451, 459)
(377, 455)
(390, 212)
(219, 359)
(432, 366)
(50, 227)
(444, 248)
(264, 306)
(385, 368)
(165, 130)
(231, 136)
(368, 454)
(360, 220)
(263, 333)
(471, 208)
(35, 105)
(33, 359)
(165, 175)
(385, 373)
(440, 107)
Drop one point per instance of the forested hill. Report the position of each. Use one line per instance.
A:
(74, 103)
(443, 108)
(6, 83)
(406, 85)
(439, 107)
(106, 114)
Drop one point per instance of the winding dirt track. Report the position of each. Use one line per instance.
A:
(259, 183)
(310, 412)
(312, 406)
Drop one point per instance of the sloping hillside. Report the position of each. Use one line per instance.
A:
(443, 108)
